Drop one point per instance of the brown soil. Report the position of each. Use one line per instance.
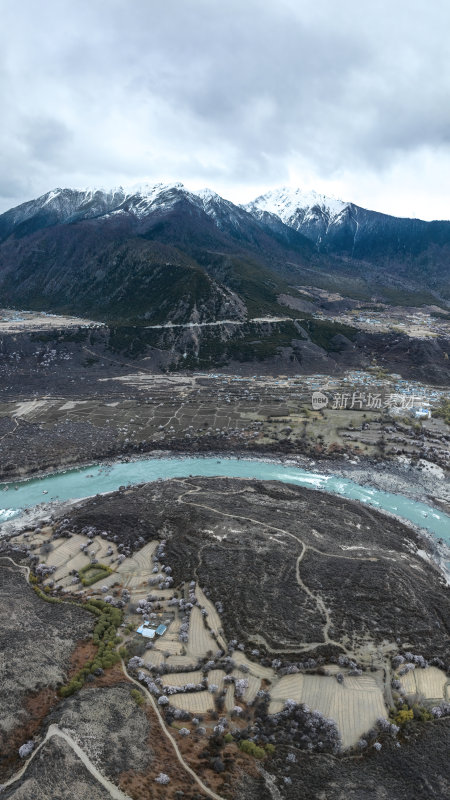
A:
(37, 705)
(110, 677)
(142, 785)
(84, 651)
(198, 754)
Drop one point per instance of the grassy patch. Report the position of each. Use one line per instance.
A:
(92, 573)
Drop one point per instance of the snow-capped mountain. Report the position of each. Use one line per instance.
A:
(345, 229)
(144, 253)
(291, 204)
(63, 205)
(307, 212)
(161, 251)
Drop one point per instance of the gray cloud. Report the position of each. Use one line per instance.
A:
(350, 97)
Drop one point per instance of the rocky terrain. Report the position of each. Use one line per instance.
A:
(268, 592)
(293, 546)
(37, 642)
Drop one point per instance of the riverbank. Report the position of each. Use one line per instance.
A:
(389, 492)
(423, 481)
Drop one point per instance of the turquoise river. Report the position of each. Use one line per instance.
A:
(78, 483)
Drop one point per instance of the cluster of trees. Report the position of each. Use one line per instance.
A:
(164, 579)
(383, 729)
(43, 571)
(407, 710)
(295, 725)
(104, 636)
(408, 661)
(240, 687)
(187, 687)
(443, 710)
(352, 666)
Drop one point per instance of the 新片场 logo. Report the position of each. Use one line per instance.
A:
(319, 400)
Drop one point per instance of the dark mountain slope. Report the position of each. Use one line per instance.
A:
(88, 270)
(163, 253)
(171, 256)
(412, 248)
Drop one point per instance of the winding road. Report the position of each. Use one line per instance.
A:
(317, 598)
(54, 730)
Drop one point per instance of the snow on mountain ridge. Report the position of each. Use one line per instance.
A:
(290, 206)
(286, 203)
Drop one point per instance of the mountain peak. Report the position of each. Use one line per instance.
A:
(288, 202)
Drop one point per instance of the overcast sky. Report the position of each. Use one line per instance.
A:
(347, 97)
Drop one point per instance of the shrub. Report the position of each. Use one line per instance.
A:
(251, 749)
(137, 697)
(162, 778)
(403, 716)
(26, 749)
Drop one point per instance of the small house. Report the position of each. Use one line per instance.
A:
(144, 630)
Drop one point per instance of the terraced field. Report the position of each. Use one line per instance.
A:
(355, 704)
(183, 662)
(215, 678)
(172, 647)
(66, 555)
(254, 685)
(194, 702)
(200, 640)
(431, 683)
(153, 658)
(66, 549)
(182, 678)
(213, 620)
(137, 569)
(264, 673)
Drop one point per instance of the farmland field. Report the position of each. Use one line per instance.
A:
(254, 684)
(429, 682)
(181, 678)
(200, 639)
(194, 702)
(355, 705)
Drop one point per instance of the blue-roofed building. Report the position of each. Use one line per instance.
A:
(144, 630)
(161, 629)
